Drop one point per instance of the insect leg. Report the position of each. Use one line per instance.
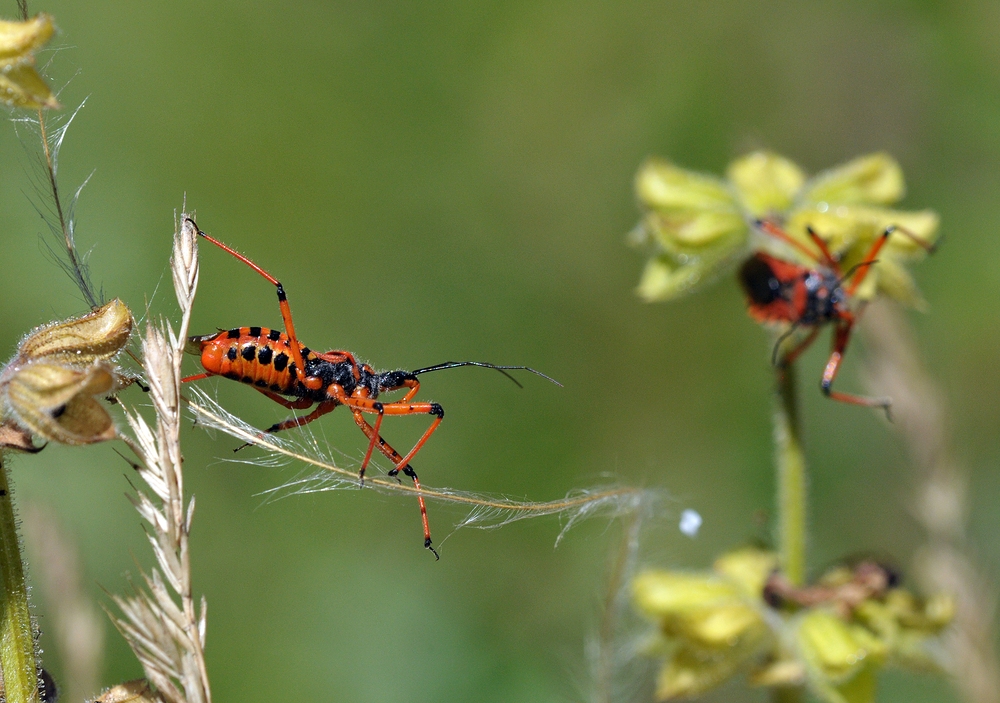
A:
(286, 312)
(321, 410)
(394, 380)
(789, 358)
(371, 445)
(398, 408)
(842, 335)
(300, 404)
(362, 394)
(830, 259)
(395, 458)
(775, 231)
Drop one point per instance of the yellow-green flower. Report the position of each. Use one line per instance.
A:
(714, 625)
(841, 658)
(710, 625)
(20, 84)
(698, 226)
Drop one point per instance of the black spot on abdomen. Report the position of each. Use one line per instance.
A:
(280, 362)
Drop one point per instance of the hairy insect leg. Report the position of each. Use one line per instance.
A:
(824, 257)
(400, 407)
(830, 259)
(399, 462)
(371, 444)
(321, 410)
(862, 269)
(300, 404)
(842, 335)
(297, 404)
(395, 380)
(294, 348)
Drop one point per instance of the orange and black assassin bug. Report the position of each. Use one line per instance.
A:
(277, 364)
(780, 291)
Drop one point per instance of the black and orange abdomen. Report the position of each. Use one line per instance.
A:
(254, 355)
(775, 289)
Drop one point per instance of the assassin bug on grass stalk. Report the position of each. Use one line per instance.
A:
(780, 291)
(277, 364)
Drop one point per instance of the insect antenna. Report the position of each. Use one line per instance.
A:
(501, 369)
(854, 269)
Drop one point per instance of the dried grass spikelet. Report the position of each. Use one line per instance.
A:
(48, 388)
(162, 622)
(20, 84)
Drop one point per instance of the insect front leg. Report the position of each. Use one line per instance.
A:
(399, 461)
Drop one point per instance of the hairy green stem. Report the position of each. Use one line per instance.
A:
(791, 465)
(17, 640)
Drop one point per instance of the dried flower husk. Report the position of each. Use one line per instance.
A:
(13, 436)
(19, 40)
(20, 84)
(95, 336)
(48, 389)
(56, 401)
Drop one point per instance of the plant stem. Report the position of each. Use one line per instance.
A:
(76, 268)
(791, 465)
(17, 640)
(788, 694)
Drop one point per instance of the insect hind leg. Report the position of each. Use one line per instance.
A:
(294, 348)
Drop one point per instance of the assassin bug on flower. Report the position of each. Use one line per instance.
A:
(780, 291)
(277, 364)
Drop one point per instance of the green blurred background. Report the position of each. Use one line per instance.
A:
(453, 181)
